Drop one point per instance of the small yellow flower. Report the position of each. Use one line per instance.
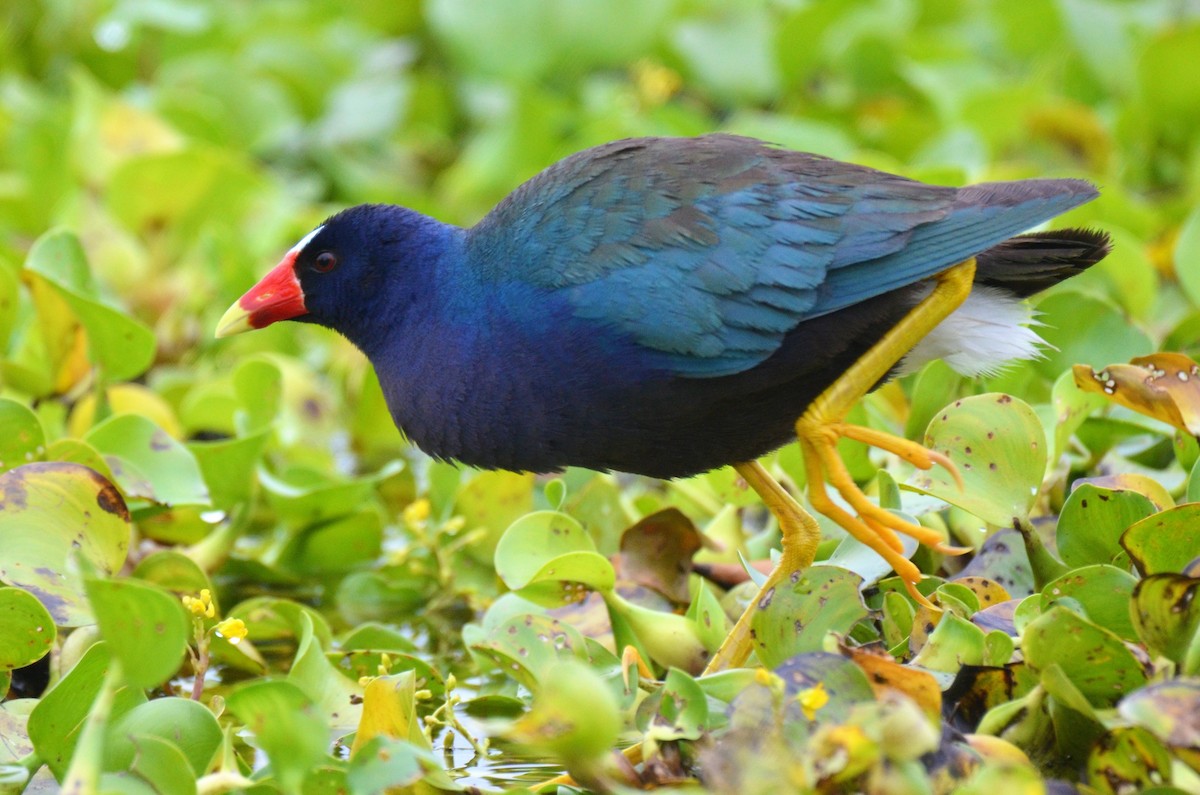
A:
(233, 629)
(417, 512)
(812, 699)
(202, 606)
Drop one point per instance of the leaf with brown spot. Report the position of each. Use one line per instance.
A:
(1165, 386)
(49, 511)
(884, 674)
(657, 553)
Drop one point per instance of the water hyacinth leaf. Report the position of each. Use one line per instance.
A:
(386, 764)
(27, 629)
(294, 746)
(884, 674)
(525, 646)
(122, 346)
(954, 642)
(657, 553)
(1165, 542)
(1102, 591)
(999, 446)
(1085, 328)
(57, 720)
(49, 511)
(533, 541)
(1166, 614)
(336, 698)
(668, 639)
(1136, 482)
(156, 763)
(229, 466)
(683, 710)
(146, 628)
(1072, 406)
(79, 452)
(390, 710)
(1165, 386)
(23, 440)
(1187, 250)
(1003, 559)
(493, 500)
(841, 684)
(148, 463)
(1168, 710)
(258, 384)
(188, 724)
(1128, 759)
(794, 617)
(574, 716)
(340, 545)
(380, 595)
(305, 497)
(567, 579)
(125, 399)
(708, 616)
(1093, 658)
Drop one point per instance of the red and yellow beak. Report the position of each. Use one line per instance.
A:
(278, 296)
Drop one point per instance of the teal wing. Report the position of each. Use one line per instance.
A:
(708, 251)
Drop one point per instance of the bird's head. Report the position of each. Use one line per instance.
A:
(338, 273)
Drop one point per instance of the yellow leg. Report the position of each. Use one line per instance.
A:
(819, 430)
(821, 426)
(801, 535)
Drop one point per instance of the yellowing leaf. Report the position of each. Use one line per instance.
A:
(1165, 386)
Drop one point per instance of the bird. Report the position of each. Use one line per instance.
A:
(667, 306)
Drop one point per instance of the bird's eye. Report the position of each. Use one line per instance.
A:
(325, 262)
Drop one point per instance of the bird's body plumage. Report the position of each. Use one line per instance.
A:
(662, 306)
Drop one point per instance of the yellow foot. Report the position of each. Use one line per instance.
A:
(873, 526)
(801, 535)
(821, 426)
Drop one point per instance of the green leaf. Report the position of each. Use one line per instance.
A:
(1093, 658)
(794, 617)
(295, 745)
(954, 642)
(1165, 542)
(145, 627)
(1128, 759)
(121, 345)
(229, 465)
(148, 463)
(1092, 521)
(1166, 614)
(57, 720)
(23, 440)
(574, 716)
(683, 710)
(548, 556)
(526, 646)
(1187, 254)
(156, 762)
(27, 630)
(188, 725)
(48, 512)
(999, 446)
(339, 545)
(1102, 591)
(493, 500)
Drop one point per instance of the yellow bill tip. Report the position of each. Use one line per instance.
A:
(234, 321)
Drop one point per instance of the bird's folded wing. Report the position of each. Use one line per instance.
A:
(708, 251)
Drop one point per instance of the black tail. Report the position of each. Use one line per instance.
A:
(1027, 264)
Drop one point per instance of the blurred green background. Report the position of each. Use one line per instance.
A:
(183, 146)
